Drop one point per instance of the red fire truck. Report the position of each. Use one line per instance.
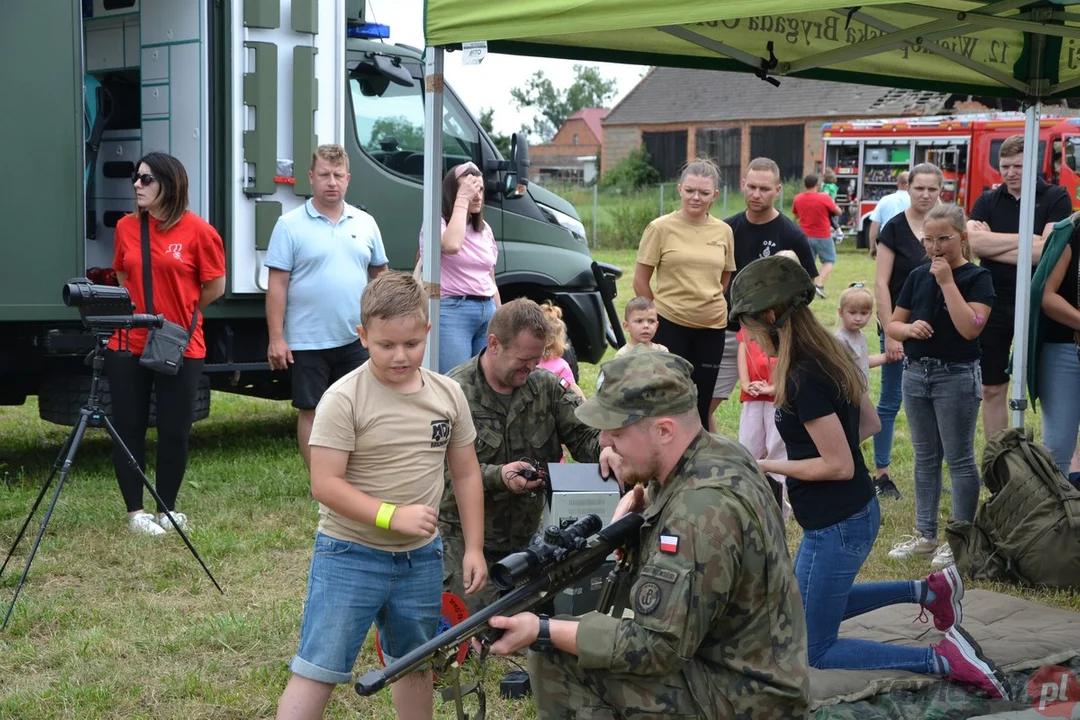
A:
(867, 155)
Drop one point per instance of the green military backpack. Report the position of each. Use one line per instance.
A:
(1028, 530)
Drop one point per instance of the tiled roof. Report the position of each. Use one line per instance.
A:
(667, 95)
(592, 118)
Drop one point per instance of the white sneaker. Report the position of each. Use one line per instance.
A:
(145, 524)
(943, 557)
(914, 546)
(179, 517)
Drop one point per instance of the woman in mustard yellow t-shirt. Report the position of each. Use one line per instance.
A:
(692, 255)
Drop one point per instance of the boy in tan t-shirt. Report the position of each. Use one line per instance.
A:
(380, 437)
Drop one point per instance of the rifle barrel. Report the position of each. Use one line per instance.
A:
(522, 598)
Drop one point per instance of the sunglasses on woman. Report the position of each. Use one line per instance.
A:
(144, 178)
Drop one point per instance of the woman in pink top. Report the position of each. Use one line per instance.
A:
(469, 294)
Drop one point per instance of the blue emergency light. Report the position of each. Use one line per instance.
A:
(369, 30)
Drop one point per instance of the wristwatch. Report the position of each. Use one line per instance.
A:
(543, 638)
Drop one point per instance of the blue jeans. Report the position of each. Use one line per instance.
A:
(826, 564)
(1059, 387)
(350, 586)
(892, 380)
(942, 405)
(463, 325)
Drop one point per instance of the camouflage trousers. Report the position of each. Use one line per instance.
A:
(563, 691)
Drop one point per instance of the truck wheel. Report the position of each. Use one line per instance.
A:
(570, 356)
(62, 396)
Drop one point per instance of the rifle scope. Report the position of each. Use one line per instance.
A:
(543, 552)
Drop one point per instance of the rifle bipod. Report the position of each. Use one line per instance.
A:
(457, 693)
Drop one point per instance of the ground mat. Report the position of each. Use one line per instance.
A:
(1025, 639)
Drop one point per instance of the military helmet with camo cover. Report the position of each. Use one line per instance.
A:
(767, 283)
(639, 385)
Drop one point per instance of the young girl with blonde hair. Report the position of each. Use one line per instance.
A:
(556, 346)
(856, 309)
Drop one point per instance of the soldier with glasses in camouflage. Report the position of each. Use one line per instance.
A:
(718, 629)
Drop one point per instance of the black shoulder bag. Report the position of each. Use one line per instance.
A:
(165, 346)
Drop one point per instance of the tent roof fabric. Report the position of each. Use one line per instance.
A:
(1006, 48)
(668, 95)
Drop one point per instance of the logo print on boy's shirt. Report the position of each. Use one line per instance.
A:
(440, 433)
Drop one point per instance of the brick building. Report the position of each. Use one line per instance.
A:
(580, 137)
(734, 117)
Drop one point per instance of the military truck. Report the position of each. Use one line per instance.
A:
(241, 91)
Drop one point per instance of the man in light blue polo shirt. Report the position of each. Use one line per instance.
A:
(887, 208)
(320, 259)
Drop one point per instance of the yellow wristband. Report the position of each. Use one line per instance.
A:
(386, 511)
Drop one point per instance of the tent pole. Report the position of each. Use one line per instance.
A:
(432, 225)
(1018, 399)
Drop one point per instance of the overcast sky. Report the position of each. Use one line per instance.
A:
(489, 83)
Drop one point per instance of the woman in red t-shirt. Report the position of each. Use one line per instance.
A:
(187, 271)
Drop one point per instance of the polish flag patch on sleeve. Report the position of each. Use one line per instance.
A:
(669, 543)
(564, 383)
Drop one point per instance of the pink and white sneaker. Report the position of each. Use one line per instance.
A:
(948, 589)
(968, 666)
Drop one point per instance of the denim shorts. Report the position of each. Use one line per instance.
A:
(824, 249)
(350, 587)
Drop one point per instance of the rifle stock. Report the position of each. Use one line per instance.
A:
(525, 596)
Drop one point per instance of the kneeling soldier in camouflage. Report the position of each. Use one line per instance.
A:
(718, 628)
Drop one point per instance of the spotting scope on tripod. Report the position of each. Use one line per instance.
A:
(104, 309)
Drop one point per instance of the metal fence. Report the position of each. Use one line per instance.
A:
(615, 217)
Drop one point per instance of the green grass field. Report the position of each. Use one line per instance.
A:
(113, 625)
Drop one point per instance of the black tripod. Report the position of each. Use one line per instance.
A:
(91, 415)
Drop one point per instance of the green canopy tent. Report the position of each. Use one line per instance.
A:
(1018, 49)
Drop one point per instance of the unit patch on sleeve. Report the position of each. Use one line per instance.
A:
(647, 599)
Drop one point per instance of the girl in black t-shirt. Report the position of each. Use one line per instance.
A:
(942, 309)
(823, 412)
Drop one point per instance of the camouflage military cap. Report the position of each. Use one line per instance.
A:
(768, 282)
(638, 385)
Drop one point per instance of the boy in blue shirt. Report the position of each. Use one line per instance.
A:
(380, 437)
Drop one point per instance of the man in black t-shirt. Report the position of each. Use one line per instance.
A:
(993, 231)
(760, 231)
